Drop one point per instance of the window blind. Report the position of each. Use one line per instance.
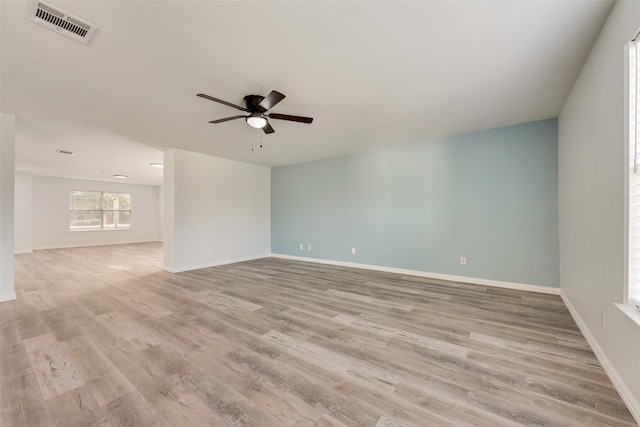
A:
(634, 104)
(634, 239)
(633, 291)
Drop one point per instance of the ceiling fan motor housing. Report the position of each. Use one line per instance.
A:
(253, 103)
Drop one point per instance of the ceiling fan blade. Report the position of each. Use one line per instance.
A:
(268, 129)
(272, 99)
(211, 98)
(290, 118)
(226, 119)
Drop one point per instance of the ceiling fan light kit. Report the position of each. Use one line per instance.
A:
(256, 121)
(257, 106)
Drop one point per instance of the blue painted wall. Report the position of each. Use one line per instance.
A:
(490, 196)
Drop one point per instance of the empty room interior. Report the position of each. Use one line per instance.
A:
(371, 213)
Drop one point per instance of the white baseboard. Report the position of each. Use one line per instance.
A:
(7, 297)
(438, 276)
(617, 381)
(87, 245)
(212, 264)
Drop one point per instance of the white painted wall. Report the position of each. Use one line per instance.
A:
(216, 211)
(161, 213)
(169, 210)
(591, 192)
(23, 220)
(7, 164)
(51, 213)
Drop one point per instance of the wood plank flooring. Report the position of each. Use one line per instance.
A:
(102, 337)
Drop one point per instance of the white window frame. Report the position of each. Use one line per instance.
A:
(102, 211)
(631, 293)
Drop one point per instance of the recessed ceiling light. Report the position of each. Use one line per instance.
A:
(157, 165)
(71, 153)
(120, 176)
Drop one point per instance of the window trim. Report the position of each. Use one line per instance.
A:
(631, 175)
(102, 212)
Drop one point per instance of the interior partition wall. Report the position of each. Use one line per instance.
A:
(488, 198)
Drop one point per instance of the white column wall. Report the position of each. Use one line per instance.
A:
(217, 211)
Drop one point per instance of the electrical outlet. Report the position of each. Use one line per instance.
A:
(353, 251)
(603, 317)
(463, 260)
(308, 247)
(302, 246)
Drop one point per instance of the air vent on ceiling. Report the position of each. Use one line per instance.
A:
(61, 22)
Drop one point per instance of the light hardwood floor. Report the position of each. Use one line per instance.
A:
(101, 336)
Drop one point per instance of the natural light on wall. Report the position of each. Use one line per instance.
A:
(633, 83)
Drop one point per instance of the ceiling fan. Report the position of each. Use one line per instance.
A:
(257, 106)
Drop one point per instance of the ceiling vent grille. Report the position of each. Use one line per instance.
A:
(61, 22)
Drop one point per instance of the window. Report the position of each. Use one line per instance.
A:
(96, 210)
(632, 296)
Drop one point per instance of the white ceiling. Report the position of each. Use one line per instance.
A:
(371, 74)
